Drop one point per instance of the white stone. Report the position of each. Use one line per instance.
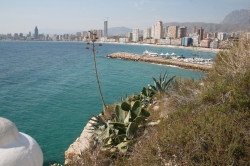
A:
(16, 148)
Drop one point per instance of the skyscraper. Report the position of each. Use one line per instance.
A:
(36, 32)
(200, 32)
(172, 31)
(157, 30)
(182, 31)
(194, 29)
(249, 13)
(105, 29)
(146, 33)
(135, 35)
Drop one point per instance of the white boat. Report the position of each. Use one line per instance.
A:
(148, 53)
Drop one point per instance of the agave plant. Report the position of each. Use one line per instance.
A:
(163, 85)
(119, 132)
(145, 96)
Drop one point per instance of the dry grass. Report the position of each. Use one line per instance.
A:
(204, 123)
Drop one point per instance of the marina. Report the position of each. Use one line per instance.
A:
(200, 64)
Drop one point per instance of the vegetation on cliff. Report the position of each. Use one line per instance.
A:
(201, 123)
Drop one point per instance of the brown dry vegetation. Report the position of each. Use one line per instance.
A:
(202, 123)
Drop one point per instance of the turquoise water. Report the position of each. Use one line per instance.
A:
(48, 89)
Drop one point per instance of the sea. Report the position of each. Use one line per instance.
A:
(49, 89)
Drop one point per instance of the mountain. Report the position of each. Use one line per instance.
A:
(237, 17)
(118, 31)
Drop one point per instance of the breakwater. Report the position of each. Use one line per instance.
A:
(160, 60)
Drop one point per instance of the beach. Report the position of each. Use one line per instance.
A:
(172, 46)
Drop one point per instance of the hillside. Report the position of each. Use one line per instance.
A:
(118, 31)
(237, 17)
(180, 121)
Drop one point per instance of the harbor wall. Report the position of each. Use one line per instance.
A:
(160, 60)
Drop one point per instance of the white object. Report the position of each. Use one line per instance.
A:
(16, 148)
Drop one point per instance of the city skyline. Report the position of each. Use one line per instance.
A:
(66, 17)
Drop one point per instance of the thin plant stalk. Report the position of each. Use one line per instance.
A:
(97, 78)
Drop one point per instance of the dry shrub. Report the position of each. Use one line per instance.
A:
(234, 61)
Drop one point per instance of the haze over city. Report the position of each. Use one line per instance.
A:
(71, 16)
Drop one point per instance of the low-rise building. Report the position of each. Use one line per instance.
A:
(187, 41)
(214, 44)
(164, 41)
(222, 36)
(205, 43)
(123, 40)
(175, 42)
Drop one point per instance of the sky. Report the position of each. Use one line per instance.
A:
(59, 16)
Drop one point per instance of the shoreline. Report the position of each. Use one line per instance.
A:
(170, 46)
(139, 44)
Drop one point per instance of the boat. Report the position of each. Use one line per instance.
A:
(148, 53)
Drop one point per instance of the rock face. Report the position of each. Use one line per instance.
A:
(78, 146)
(237, 17)
(17, 148)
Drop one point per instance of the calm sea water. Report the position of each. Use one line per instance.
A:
(48, 89)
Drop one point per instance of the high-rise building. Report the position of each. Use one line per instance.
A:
(135, 35)
(84, 33)
(249, 13)
(215, 35)
(16, 35)
(194, 29)
(78, 34)
(157, 30)
(172, 31)
(165, 31)
(99, 33)
(200, 32)
(146, 33)
(182, 31)
(129, 35)
(105, 29)
(36, 32)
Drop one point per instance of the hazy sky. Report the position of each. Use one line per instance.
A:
(21, 16)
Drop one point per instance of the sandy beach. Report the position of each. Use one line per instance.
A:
(171, 46)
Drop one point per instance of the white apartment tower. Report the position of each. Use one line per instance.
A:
(105, 29)
(157, 30)
(146, 33)
(135, 35)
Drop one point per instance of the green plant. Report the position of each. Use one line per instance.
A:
(145, 96)
(117, 134)
(163, 85)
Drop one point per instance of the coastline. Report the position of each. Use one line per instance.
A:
(170, 46)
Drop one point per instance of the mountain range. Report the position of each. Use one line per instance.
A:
(237, 20)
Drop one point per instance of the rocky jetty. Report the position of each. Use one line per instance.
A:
(160, 60)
